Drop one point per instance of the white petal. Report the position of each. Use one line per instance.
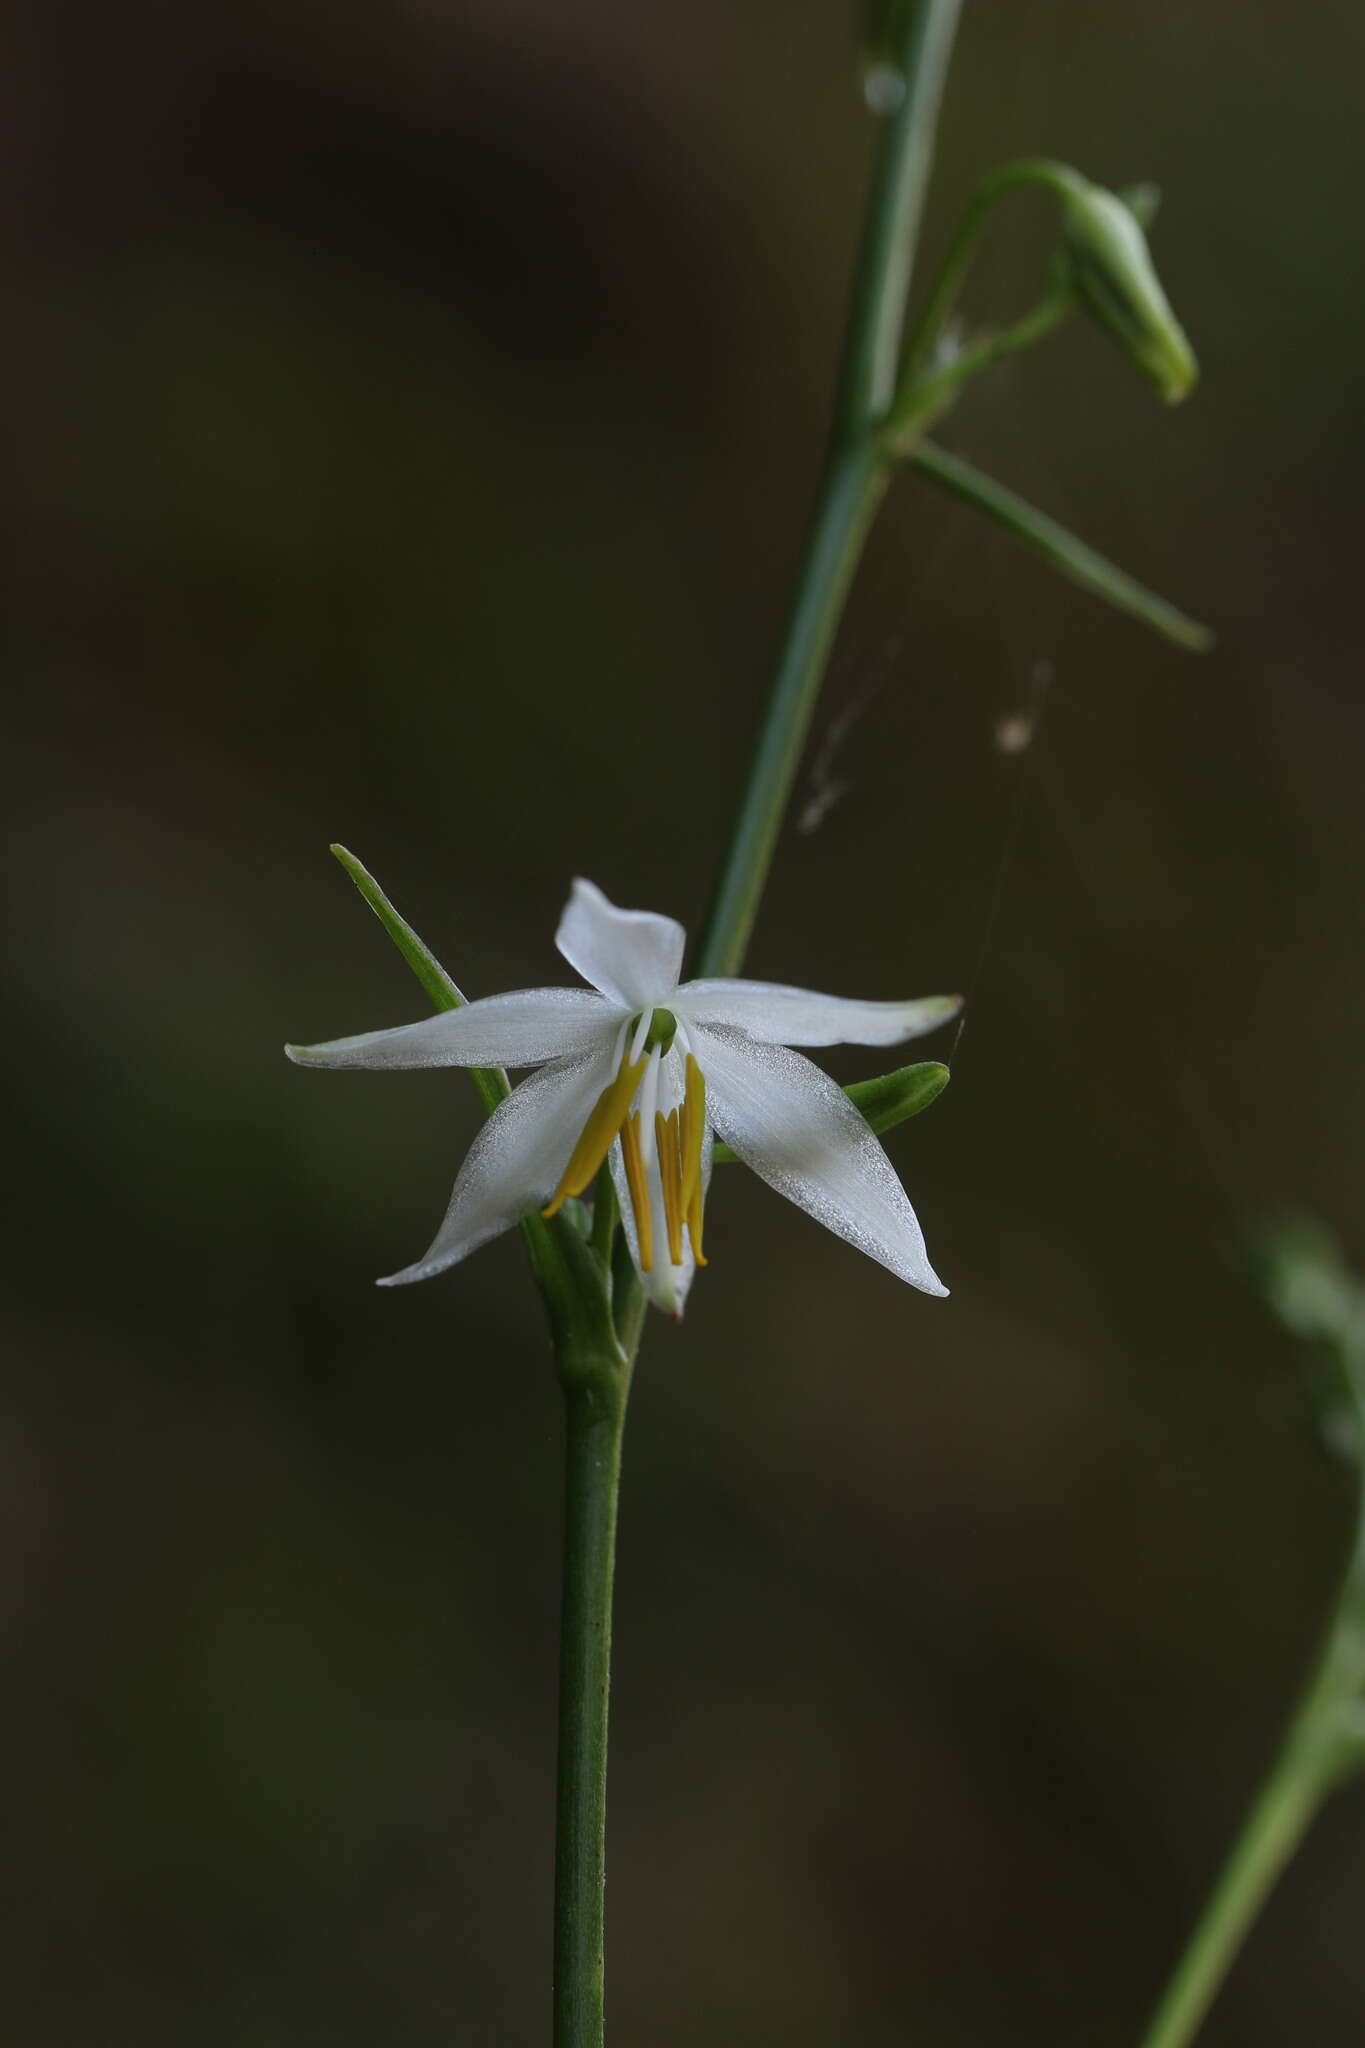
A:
(516, 1030)
(514, 1165)
(631, 955)
(665, 1284)
(777, 1015)
(798, 1130)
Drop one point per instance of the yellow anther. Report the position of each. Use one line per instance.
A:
(670, 1180)
(638, 1184)
(694, 1221)
(599, 1133)
(693, 1131)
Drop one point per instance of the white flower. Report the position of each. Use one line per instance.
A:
(641, 1070)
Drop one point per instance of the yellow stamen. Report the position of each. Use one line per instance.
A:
(693, 1130)
(670, 1180)
(694, 1227)
(639, 1189)
(599, 1134)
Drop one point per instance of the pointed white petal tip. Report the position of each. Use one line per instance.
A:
(514, 1162)
(798, 1130)
(524, 1028)
(670, 1302)
(633, 957)
(775, 1014)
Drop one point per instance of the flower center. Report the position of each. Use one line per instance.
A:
(661, 1139)
(663, 1028)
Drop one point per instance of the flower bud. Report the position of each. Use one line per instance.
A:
(1114, 279)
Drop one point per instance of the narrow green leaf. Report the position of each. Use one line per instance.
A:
(1062, 549)
(888, 1100)
(571, 1279)
(491, 1082)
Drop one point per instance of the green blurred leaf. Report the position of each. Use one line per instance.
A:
(888, 1100)
(1316, 1296)
(1072, 556)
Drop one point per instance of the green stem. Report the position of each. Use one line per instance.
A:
(595, 1411)
(1325, 1742)
(891, 237)
(855, 476)
(1308, 1765)
(1271, 1833)
(852, 492)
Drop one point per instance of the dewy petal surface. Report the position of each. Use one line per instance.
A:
(798, 1131)
(777, 1015)
(516, 1161)
(632, 956)
(517, 1030)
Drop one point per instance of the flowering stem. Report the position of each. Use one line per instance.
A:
(595, 1411)
(855, 475)
(857, 468)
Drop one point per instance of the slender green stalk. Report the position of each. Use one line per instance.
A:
(1314, 1296)
(856, 473)
(595, 1412)
(947, 284)
(1283, 1809)
(852, 492)
(891, 237)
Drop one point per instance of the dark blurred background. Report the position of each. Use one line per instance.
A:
(416, 411)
